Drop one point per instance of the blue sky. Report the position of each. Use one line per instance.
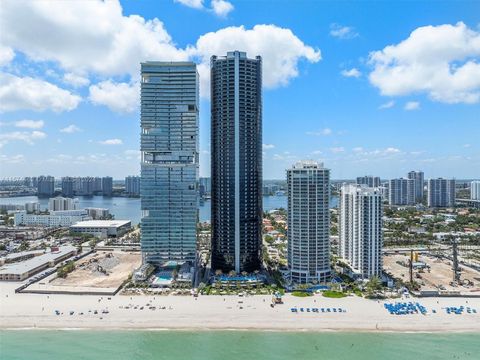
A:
(377, 87)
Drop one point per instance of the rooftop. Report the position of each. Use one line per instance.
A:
(101, 223)
(22, 253)
(30, 264)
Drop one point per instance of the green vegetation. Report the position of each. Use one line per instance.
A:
(24, 246)
(219, 289)
(374, 288)
(301, 293)
(333, 294)
(63, 271)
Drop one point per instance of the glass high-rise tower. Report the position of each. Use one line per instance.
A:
(236, 160)
(169, 162)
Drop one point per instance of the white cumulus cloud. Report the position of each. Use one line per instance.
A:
(196, 4)
(119, 97)
(26, 93)
(342, 32)
(221, 7)
(13, 159)
(95, 38)
(268, 146)
(6, 55)
(441, 61)
(351, 73)
(89, 36)
(75, 80)
(27, 136)
(280, 48)
(29, 124)
(111, 142)
(70, 129)
(412, 105)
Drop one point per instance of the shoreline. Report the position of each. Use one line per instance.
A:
(229, 329)
(30, 312)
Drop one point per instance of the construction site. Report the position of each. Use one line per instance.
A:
(101, 272)
(452, 270)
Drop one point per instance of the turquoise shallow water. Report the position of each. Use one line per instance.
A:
(234, 345)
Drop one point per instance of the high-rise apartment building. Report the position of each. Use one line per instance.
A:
(107, 186)
(68, 186)
(308, 189)
(97, 185)
(371, 181)
(45, 186)
(401, 192)
(85, 186)
(169, 161)
(475, 190)
(236, 161)
(418, 178)
(360, 229)
(440, 193)
(132, 185)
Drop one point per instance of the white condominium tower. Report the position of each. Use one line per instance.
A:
(169, 162)
(401, 192)
(308, 186)
(441, 193)
(360, 229)
(475, 190)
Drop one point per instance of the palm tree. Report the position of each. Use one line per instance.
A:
(373, 285)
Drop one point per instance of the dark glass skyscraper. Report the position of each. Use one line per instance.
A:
(169, 162)
(236, 105)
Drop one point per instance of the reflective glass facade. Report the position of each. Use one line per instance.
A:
(236, 105)
(169, 161)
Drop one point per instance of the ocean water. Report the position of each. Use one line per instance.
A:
(129, 208)
(234, 345)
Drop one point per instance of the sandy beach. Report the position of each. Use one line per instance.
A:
(20, 311)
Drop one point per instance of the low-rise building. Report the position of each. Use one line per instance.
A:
(55, 219)
(102, 228)
(23, 270)
(20, 256)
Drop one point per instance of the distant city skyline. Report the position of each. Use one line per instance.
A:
(330, 89)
